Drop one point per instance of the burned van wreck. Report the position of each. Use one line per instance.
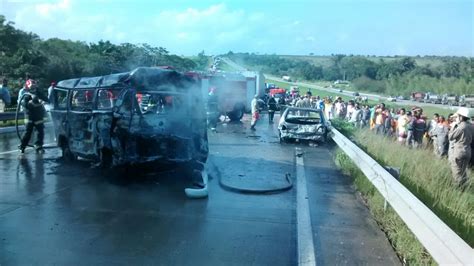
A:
(146, 115)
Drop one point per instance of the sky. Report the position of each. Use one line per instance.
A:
(300, 27)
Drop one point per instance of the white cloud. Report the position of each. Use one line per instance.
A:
(212, 26)
(45, 10)
(343, 36)
(215, 29)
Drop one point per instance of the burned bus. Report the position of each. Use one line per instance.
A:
(146, 115)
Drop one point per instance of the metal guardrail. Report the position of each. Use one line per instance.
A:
(11, 116)
(444, 245)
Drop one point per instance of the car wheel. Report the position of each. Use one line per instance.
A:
(237, 113)
(325, 137)
(282, 140)
(67, 153)
(106, 158)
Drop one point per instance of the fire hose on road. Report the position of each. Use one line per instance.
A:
(246, 190)
(258, 191)
(203, 192)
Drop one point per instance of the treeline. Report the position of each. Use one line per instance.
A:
(23, 53)
(397, 76)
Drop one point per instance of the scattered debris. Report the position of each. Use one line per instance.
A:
(394, 171)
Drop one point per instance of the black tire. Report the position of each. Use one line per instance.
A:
(237, 113)
(324, 138)
(67, 154)
(106, 158)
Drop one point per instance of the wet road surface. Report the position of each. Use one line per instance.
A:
(57, 213)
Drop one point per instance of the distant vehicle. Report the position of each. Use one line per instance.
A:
(234, 91)
(450, 99)
(286, 78)
(270, 85)
(417, 96)
(279, 95)
(356, 94)
(277, 92)
(303, 124)
(147, 115)
(401, 98)
(432, 98)
(294, 90)
(467, 100)
(342, 82)
(391, 99)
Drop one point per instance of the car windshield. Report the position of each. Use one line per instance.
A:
(303, 116)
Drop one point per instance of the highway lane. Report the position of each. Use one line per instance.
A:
(231, 63)
(369, 96)
(52, 212)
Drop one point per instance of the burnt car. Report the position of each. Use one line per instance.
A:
(303, 124)
(143, 116)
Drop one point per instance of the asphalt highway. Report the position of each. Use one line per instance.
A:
(53, 212)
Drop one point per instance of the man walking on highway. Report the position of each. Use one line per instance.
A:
(255, 114)
(272, 107)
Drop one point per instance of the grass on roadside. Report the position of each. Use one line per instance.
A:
(11, 123)
(405, 243)
(225, 67)
(428, 178)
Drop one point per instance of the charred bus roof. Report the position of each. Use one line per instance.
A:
(142, 78)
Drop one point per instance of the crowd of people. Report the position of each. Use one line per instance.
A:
(449, 137)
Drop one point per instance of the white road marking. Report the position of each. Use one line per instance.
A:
(18, 151)
(306, 251)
